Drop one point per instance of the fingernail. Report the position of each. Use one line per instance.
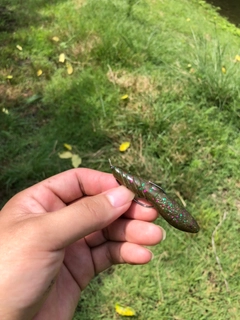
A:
(119, 196)
(151, 254)
(164, 234)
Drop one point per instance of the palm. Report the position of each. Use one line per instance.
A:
(75, 273)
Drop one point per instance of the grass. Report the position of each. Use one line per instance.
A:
(181, 116)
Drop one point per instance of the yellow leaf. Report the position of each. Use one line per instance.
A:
(124, 146)
(237, 58)
(224, 69)
(4, 110)
(69, 68)
(9, 77)
(67, 146)
(39, 72)
(125, 311)
(19, 47)
(61, 57)
(65, 155)
(76, 161)
(124, 97)
(56, 39)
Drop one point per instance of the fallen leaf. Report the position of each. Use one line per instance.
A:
(125, 311)
(4, 110)
(61, 57)
(76, 161)
(39, 72)
(19, 47)
(124, 146)
(65, 155)
(124, 97)
(56, 39)
(237, 58)
(67, 146)
(69, 68)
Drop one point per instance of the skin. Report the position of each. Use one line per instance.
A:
(58, 234)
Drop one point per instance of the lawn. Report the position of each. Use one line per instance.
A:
(162, 75)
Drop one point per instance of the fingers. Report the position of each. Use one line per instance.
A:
(57, 191)
(106, 255)
(135, 231)
(63, 227)
(73, 184)
(84, 263)
(136, 211)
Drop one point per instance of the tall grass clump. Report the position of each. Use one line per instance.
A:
(214, 73)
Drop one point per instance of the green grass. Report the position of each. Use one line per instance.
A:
(182, 118)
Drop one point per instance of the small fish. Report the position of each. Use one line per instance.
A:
(170, 210)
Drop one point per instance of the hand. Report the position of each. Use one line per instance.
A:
(57, 235)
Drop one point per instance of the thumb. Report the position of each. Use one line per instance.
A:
(89, 214)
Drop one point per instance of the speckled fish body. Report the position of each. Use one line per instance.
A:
(170, 210)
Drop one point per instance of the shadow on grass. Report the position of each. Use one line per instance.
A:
(229, 9)
(15, 14)
(34, 130)
(32, 140)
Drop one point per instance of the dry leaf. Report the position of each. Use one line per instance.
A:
(65, 155)
(61, 57)
(237, 58)
(69, 68)
(56, 39)
(124, 146)
(67, 146)
(19, 47)
(4, 110)
(125, 311)
(76, 161)
(39, 72)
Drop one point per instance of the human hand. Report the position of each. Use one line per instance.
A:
(58, 234)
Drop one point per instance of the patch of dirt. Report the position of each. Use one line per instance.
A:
(13, 96)
(85, 47)
(12, 93)
(137, 83)
(79, 3)
(9, 92)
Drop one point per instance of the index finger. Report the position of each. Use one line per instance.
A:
(76, 183)
(64, 188)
